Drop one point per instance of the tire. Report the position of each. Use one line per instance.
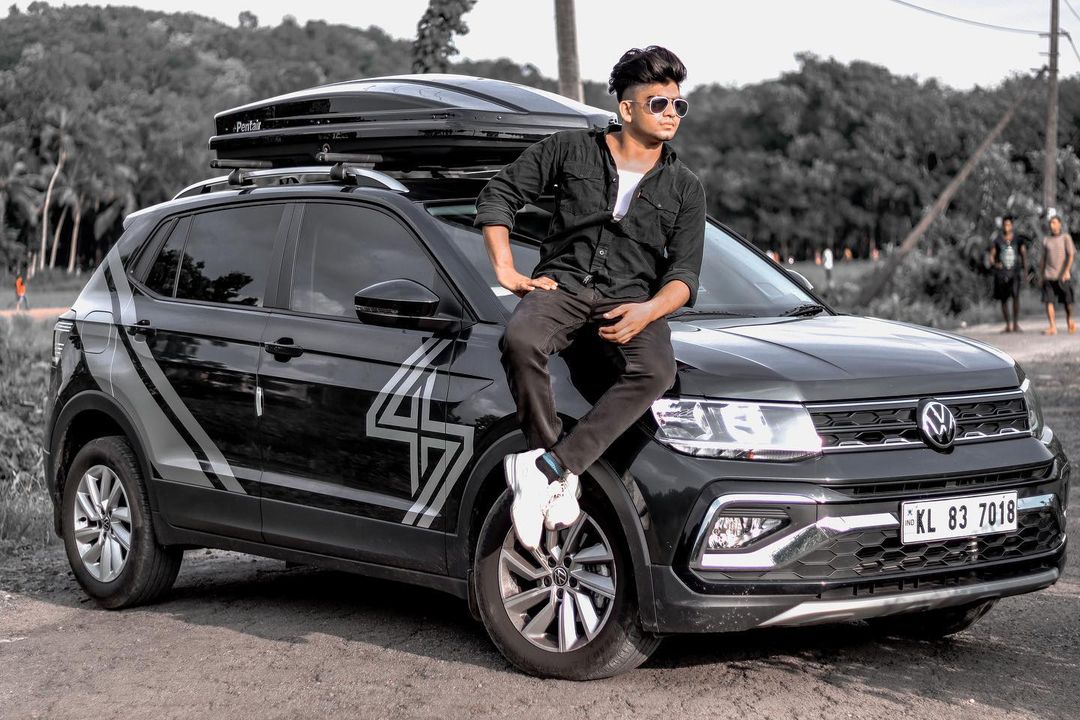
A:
(120, 577)
(933, 624)
(617, 644)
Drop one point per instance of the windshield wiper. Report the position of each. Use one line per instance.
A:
(804, 310)
(706, 314)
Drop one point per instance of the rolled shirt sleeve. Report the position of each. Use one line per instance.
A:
(687, 242)
(517, 184)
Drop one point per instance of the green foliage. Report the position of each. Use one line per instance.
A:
(24, 365)
(434, 44)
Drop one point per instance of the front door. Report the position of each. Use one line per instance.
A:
(353, 426)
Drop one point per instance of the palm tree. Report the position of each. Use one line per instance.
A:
(19, 196)
(566, 41)
(54, 133)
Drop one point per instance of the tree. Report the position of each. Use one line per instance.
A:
(566, 40)
(248, 20)
(434, 44)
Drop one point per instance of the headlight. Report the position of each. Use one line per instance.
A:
(736, 430)
(1034, 408)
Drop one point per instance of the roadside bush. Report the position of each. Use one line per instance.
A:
(25, 512)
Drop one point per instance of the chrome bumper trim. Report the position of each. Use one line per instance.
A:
(827, 611)
(794, 545)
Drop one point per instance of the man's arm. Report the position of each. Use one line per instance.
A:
(635, 316)
(517, 184)
(993, 255)
(1070, 253)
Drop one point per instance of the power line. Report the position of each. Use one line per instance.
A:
(976, 23)
(1072, 9)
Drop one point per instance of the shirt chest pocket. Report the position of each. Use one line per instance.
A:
(582, 187)
(650, 220)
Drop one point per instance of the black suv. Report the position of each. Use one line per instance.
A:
(301, 361)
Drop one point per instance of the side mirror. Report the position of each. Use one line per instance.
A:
(401, 303)
(800, 278)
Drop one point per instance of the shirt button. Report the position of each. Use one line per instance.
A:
(602, 252)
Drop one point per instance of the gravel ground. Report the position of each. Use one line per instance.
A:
(246, 637)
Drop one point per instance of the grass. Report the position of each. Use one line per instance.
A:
(45, 289)
(25, 357)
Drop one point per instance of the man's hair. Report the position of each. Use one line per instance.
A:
(1008, 218)
(654, 64)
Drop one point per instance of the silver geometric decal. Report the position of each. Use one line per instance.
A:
(402, 412)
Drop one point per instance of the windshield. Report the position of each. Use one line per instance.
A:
(734, 279)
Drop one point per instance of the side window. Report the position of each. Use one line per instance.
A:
(226, 257)
(162, 276)
(343, 249)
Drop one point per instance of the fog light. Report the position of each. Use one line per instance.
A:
(733, 532)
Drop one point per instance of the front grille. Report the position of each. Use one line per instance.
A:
(873, 553)
(892, 423)
(929, 487)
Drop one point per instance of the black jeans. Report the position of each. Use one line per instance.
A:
(545, 322)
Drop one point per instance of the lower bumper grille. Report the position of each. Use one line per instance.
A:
(872, 554)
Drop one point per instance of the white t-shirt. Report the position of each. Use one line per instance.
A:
(628, 182)
(827, 259)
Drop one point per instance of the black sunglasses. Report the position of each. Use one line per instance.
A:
(657, 104)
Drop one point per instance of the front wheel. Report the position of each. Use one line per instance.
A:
(107, 528)
(568, 610)
(933, 624)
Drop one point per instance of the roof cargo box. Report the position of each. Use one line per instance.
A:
(406, 122)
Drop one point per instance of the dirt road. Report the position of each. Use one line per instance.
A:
(241, 637)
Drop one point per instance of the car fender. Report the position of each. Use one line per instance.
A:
(98, 401)
(459, 553)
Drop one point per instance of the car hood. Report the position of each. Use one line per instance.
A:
(831, 357)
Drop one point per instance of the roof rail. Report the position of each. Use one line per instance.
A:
(243, 176)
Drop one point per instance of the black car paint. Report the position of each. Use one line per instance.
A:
(659, 495)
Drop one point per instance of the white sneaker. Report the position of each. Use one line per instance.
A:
(563, 509)
(531, 494)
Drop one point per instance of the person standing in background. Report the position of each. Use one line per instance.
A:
(1008, 258)
(1057, 259)
(827, 263)
(21, 303)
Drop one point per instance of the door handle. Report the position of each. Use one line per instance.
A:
(283, 348)
(142, 327)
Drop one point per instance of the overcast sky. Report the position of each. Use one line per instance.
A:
(723, 41)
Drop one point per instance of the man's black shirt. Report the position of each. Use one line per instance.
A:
(661, 238)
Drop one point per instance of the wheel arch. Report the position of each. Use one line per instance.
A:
(486, 483)
(87, 416)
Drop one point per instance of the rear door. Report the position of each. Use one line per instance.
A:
(353, 414)
(194, 341)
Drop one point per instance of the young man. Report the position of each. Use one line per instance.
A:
(1057, 259)
(1008, 257)
(623, 250)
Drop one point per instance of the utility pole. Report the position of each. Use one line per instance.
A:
(1050, 159)
(566, 41)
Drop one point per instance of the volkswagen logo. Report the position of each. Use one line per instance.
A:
(937, 426)
(561, 576)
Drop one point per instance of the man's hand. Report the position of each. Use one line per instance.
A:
(522, 285)
(634, 318)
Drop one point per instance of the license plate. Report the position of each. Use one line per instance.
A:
(957, 517)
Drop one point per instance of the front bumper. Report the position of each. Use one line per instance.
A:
(681, 610)
(842, 559)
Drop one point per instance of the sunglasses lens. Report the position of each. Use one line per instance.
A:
(657, 105)
(681, 107)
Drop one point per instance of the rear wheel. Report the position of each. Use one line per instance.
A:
(108, 531)
(933, 624)
(569, 609)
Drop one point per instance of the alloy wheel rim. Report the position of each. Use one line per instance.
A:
(102, 523)
(559, 597)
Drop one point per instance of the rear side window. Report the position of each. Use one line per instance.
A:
(162, 276)
(224, 257)
(343, 249)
